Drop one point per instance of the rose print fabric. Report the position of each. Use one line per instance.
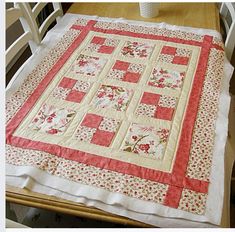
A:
(146, 141)
(137, 50)
(88, 66)
(113, 97)
(164, 78)
(52, 120)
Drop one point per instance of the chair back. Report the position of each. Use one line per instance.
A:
(12, 15)
(33, 32)
(32, 14)
(225, 9)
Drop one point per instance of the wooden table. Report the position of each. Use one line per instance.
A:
(201, 15)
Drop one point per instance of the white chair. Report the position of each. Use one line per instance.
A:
(13, 224)
(31, 18)
(230, 30)
(12, 15)
(33, 33)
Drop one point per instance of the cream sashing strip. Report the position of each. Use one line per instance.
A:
(67, 139)
(183, 103)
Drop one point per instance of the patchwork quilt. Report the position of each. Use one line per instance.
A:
(125, 109)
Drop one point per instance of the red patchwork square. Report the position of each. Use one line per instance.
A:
(102, 138)
(150, 98)
(131, 77)
(75, 96)
(67, 83)
(98, 40)
(106, 49)
(180, 60)
(92, 120)
(164, 113)
(121, 65)
(168, 50)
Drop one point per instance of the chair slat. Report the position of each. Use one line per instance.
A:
(227, 7)
(12, 15)
(37, 8)
(16, 46)
(230, 41)
(225, 24)
(43, 28)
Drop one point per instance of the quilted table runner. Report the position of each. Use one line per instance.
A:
(127, 110)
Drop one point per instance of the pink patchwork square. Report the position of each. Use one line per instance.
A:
(106, 49)
(98, 40)
(131, 77)
(180, 60)
(168, 50)
(67, 83)
(75, 96)
(164, 113)
(92, 120)
(150, 98)
(102, 138)
(121, 65)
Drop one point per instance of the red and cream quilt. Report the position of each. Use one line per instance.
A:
(124, 109)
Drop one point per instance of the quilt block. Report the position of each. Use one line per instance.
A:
(126, 71)
(156, 106)
(98, 130)
(131, 104)
(102, 45)
(71, 90)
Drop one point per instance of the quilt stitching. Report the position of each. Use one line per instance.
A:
(166, 78)
(126, 71)
(102, 45)
(146, 141)
(97, 129)
(156, 106)
(137, 50)
(71, 90)
(112, 97)
(87, 65)
(85, 174)
(14, 103)
(52, 120)
(175, 55)
(176, 204)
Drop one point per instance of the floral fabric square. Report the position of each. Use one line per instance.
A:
(87, 65)
(125, 71)
(175, 55)
(156, 106)
(112, 97)
(102, 45)
(97, 129)
(71, 90)
(166, 78)
(137, 50)
(52, 120)
(84, 133)
(146, 141)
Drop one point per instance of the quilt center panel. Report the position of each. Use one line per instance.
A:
(117, 97)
